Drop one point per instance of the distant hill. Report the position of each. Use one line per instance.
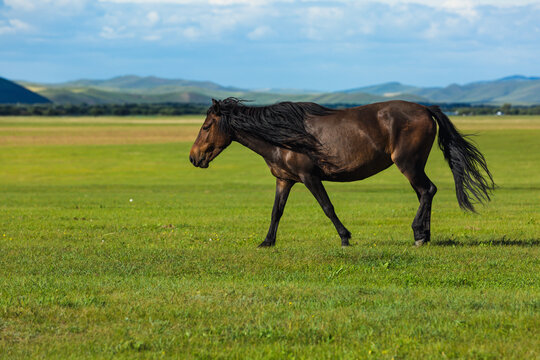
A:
(135, 89)
(386, 89)
(12, 93)
(517, 90)
(126, 89)
(133, 83)
(94, 96)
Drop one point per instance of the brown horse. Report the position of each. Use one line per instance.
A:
(308, 143)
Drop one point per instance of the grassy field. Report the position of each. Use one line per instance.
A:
(113, 246)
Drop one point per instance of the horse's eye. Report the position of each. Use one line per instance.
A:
(206, 127)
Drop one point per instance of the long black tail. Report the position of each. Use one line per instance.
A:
(466, 163)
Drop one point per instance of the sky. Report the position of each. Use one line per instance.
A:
(257, 44)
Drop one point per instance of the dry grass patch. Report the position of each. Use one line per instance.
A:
(95, 135)
(497, 122)
(103, 120)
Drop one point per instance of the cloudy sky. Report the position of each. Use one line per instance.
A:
(310, 44)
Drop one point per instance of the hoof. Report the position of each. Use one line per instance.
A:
(345, 238)
(266, 244)
(420, 242)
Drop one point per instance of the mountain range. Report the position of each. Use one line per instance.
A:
(517, 90)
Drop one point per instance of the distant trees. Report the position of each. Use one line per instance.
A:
(470, 109)
(103, 109)
(506, 109)
(174, 109)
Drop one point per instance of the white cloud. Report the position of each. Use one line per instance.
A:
(152, 37)
(309, 20)
(260, 32)
(111, 33)
(153, 18)
(199, 2)
(13, 26)
(108, 32)
(25, 5)
(191, 33)
(321, 22)
(171, 22)
(35, 5)
(463, 8)
(450, 3)
(430, 3)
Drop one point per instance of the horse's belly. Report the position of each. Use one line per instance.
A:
(356, 160)
(359, 172)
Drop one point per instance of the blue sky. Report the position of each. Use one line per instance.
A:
(309, 44)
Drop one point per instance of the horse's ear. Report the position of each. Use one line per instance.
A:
(216, 107)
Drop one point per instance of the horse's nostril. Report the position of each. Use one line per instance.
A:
(191, 159)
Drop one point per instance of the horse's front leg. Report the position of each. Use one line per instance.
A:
(319, 192)
(283, 187)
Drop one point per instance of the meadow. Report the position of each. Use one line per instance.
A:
(112, 245)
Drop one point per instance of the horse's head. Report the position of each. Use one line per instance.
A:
(212, 138)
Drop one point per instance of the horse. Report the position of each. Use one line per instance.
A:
(303, 142)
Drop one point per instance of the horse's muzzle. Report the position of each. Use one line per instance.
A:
(202, 163)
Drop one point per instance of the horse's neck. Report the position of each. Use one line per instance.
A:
(266, 150)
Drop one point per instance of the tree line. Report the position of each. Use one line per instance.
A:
(506, 109)
(102, 109)
(172, 109)
(466, 109)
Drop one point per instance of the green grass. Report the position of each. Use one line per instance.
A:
(87, 273)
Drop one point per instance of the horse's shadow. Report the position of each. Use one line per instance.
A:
(502, 241)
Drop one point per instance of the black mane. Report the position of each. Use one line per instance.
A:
(281, 124)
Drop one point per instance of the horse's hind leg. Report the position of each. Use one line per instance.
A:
(410, 155)
(412, 167)
(425, 190)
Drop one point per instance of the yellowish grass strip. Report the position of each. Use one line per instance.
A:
(86, 135)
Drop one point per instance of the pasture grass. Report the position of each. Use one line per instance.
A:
(113, 246)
